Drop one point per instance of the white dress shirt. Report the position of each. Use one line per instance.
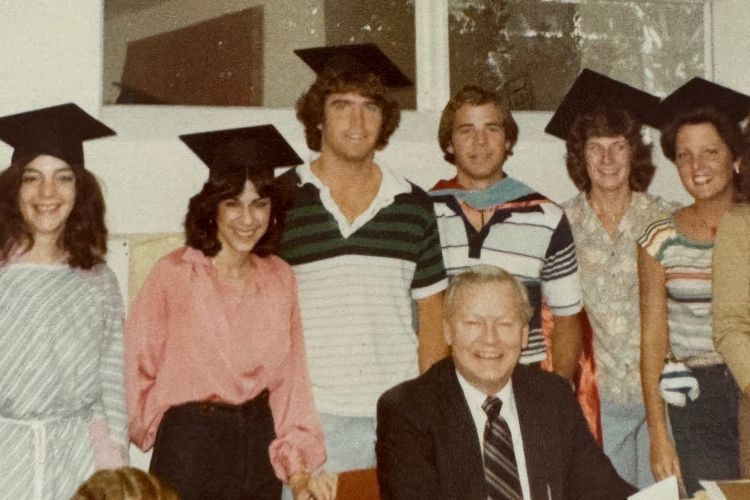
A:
(475, 398)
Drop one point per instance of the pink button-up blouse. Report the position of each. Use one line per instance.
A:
(190, 337)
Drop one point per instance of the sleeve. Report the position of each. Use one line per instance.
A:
(654, 238)
(731, 295)
(406, 469)
(561, 284)
(299, 443)
(109, 424)
(429, 276)
(145, 336)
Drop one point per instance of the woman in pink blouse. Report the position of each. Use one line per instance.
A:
(217, 379)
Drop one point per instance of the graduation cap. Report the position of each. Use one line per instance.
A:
(592, 90)
(57, 131)
(359, 58)
(247, 148)
(698, 93)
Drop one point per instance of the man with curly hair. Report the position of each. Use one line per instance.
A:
(364, 245)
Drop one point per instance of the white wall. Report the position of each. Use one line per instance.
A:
(52, 53)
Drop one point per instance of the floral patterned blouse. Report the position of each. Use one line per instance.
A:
(609, 278)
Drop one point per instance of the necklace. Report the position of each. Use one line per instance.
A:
(713, 228)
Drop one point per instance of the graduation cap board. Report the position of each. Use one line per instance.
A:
(357, 58)
(592, 90)
(247, 148)
(57, 131)
(698, 93)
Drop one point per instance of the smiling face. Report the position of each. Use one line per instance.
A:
(47, 195)
(704, 162)
(479, 145)
(608, 163)
(242, 221)
(351, 127)
(487, 333)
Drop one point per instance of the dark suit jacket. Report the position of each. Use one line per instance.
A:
(427, 446)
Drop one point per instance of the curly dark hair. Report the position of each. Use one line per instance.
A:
(84, 237)
(607, 121)
(474, 96)
(728, 130)
(311, 105)
(201, 229)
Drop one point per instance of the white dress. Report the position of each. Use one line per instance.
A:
(61, 377)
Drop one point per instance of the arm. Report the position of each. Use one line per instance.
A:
(432, 347)
(562, 290)
(731, 297)
(299, 447)
(109, 425)
(145, 334)
(566, 345)
(406, 468)
(654, 347)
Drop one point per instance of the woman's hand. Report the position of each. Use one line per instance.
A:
(664, 461)
(321, 486)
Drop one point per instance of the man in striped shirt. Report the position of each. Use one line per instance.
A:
(484, 216)
(364, 243)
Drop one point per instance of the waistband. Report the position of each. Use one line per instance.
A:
(255, 407)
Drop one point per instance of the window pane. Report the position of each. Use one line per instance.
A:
(532, 50)
(230, 52)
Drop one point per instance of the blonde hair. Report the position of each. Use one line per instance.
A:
(126, 483)
(484, 273)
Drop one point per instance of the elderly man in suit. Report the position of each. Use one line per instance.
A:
(479, 425)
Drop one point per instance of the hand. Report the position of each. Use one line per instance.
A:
(321, 486)
(664, 461)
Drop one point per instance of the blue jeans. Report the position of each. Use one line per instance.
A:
(626, 442)
(705, 431)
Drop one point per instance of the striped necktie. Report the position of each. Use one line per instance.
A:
(500, 470)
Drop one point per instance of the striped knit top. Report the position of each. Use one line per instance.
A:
(356, 284)
(687, 267)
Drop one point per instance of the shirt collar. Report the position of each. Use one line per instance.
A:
(391, 184)
(475, 398)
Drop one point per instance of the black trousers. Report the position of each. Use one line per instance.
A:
(217, 451)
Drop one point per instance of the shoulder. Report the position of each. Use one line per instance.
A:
(735, 225)
(739, 214)
(422, 390)
(531, 381)
(574, 208)
(276, 268)
(658, 230)
(654, 206)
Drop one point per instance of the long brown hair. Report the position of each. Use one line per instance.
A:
(84, 237)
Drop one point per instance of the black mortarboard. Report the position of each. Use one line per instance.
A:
(248, 148)
(57, 131)
(698, 93)
(593, 90)
(359, 58)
